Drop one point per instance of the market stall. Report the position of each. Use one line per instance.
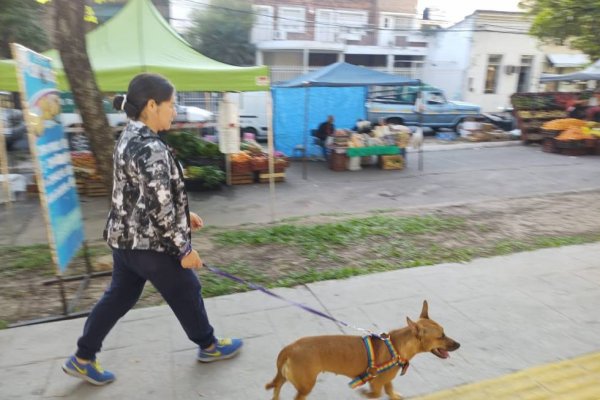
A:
(384, 146)
(571, 136)
(532, 110)
(339, 89)
(151, 46)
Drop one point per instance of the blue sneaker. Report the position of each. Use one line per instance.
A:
(224, 349)
(91, 372)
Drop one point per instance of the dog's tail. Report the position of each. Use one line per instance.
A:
(279, 378)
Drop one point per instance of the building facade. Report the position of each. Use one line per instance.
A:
(486, 58)
(293, 37)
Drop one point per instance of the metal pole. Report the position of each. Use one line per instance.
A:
(304, 165)
(271, 151)
(4, 165)
(420, 111)
(63, 296)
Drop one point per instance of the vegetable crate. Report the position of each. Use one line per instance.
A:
(263, 177)
(549, 145)
(391, 162)
(95, 188)
(338, 161)
(242, 178)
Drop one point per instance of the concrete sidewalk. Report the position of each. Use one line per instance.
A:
(509, 313)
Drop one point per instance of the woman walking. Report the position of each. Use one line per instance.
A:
(149, 230)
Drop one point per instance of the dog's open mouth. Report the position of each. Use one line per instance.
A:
(441, 353)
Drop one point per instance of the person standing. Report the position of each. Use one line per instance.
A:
(149, 230)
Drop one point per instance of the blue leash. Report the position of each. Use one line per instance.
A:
(266, 291)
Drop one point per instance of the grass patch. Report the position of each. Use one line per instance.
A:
(37, 258)
(409, 252)
(3, 324)
(31, 258)
(318, 237)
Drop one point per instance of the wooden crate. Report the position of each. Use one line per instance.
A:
(95, 189)
(391, 162)
(549, 145)
(264, 177)
(242, 178)
(338, 161)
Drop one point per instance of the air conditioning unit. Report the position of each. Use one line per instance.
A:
(511, 69)
(279, 35)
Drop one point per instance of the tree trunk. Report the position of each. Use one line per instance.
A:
(71, 44)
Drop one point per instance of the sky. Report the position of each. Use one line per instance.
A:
(456, 10)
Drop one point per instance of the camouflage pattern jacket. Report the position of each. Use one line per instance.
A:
(149, 209)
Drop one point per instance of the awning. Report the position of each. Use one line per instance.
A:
(568, 60)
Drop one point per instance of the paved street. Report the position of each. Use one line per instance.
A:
(449, 176)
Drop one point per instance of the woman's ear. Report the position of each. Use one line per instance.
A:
(151, 104)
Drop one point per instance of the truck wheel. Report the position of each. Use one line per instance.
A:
(458, 126)
(395, 121)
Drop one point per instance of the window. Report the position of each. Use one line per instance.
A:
(492, 73)
(403, 23)
(292, 19)
(525, 74)
(333, 25)
(263, 24)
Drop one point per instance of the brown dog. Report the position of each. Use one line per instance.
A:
(300, 362)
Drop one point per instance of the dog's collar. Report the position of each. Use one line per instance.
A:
(372, 369)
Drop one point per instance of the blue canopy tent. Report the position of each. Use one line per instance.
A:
(339, 89)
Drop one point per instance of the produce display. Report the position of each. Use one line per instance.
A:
(571, 136)
(533, 110)
(210, 176)
(564, 123)
(249, 164)
(191, 150)
(351, 149)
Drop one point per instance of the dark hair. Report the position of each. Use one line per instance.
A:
(143, 88)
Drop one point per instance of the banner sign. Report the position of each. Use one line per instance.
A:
(228, 126)
(50, 152)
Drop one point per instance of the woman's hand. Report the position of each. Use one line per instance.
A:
(192, 260)
(196, 221)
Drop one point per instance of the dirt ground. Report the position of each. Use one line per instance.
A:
(23, 297)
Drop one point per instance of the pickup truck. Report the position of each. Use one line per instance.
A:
(399, 106)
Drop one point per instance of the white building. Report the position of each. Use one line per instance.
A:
(486, 58)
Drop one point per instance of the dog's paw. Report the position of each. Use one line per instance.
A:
(396, 396)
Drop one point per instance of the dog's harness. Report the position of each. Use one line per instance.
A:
(374, 370)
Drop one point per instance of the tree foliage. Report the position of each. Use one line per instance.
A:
(20, 23)
(576, 22)
(222, 31)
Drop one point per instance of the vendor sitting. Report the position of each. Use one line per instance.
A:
(325, 130)
(593, 111)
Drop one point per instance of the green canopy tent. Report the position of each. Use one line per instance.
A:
(138, 39)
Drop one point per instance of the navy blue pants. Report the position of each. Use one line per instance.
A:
(179, 287)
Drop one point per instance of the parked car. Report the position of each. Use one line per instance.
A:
(70, 115)
(399, 107)
(14, 126)
(193, 114)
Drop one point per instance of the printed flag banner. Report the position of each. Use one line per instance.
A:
(50, 152)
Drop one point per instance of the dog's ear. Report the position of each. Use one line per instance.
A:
(413, 327)
(425, 310)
